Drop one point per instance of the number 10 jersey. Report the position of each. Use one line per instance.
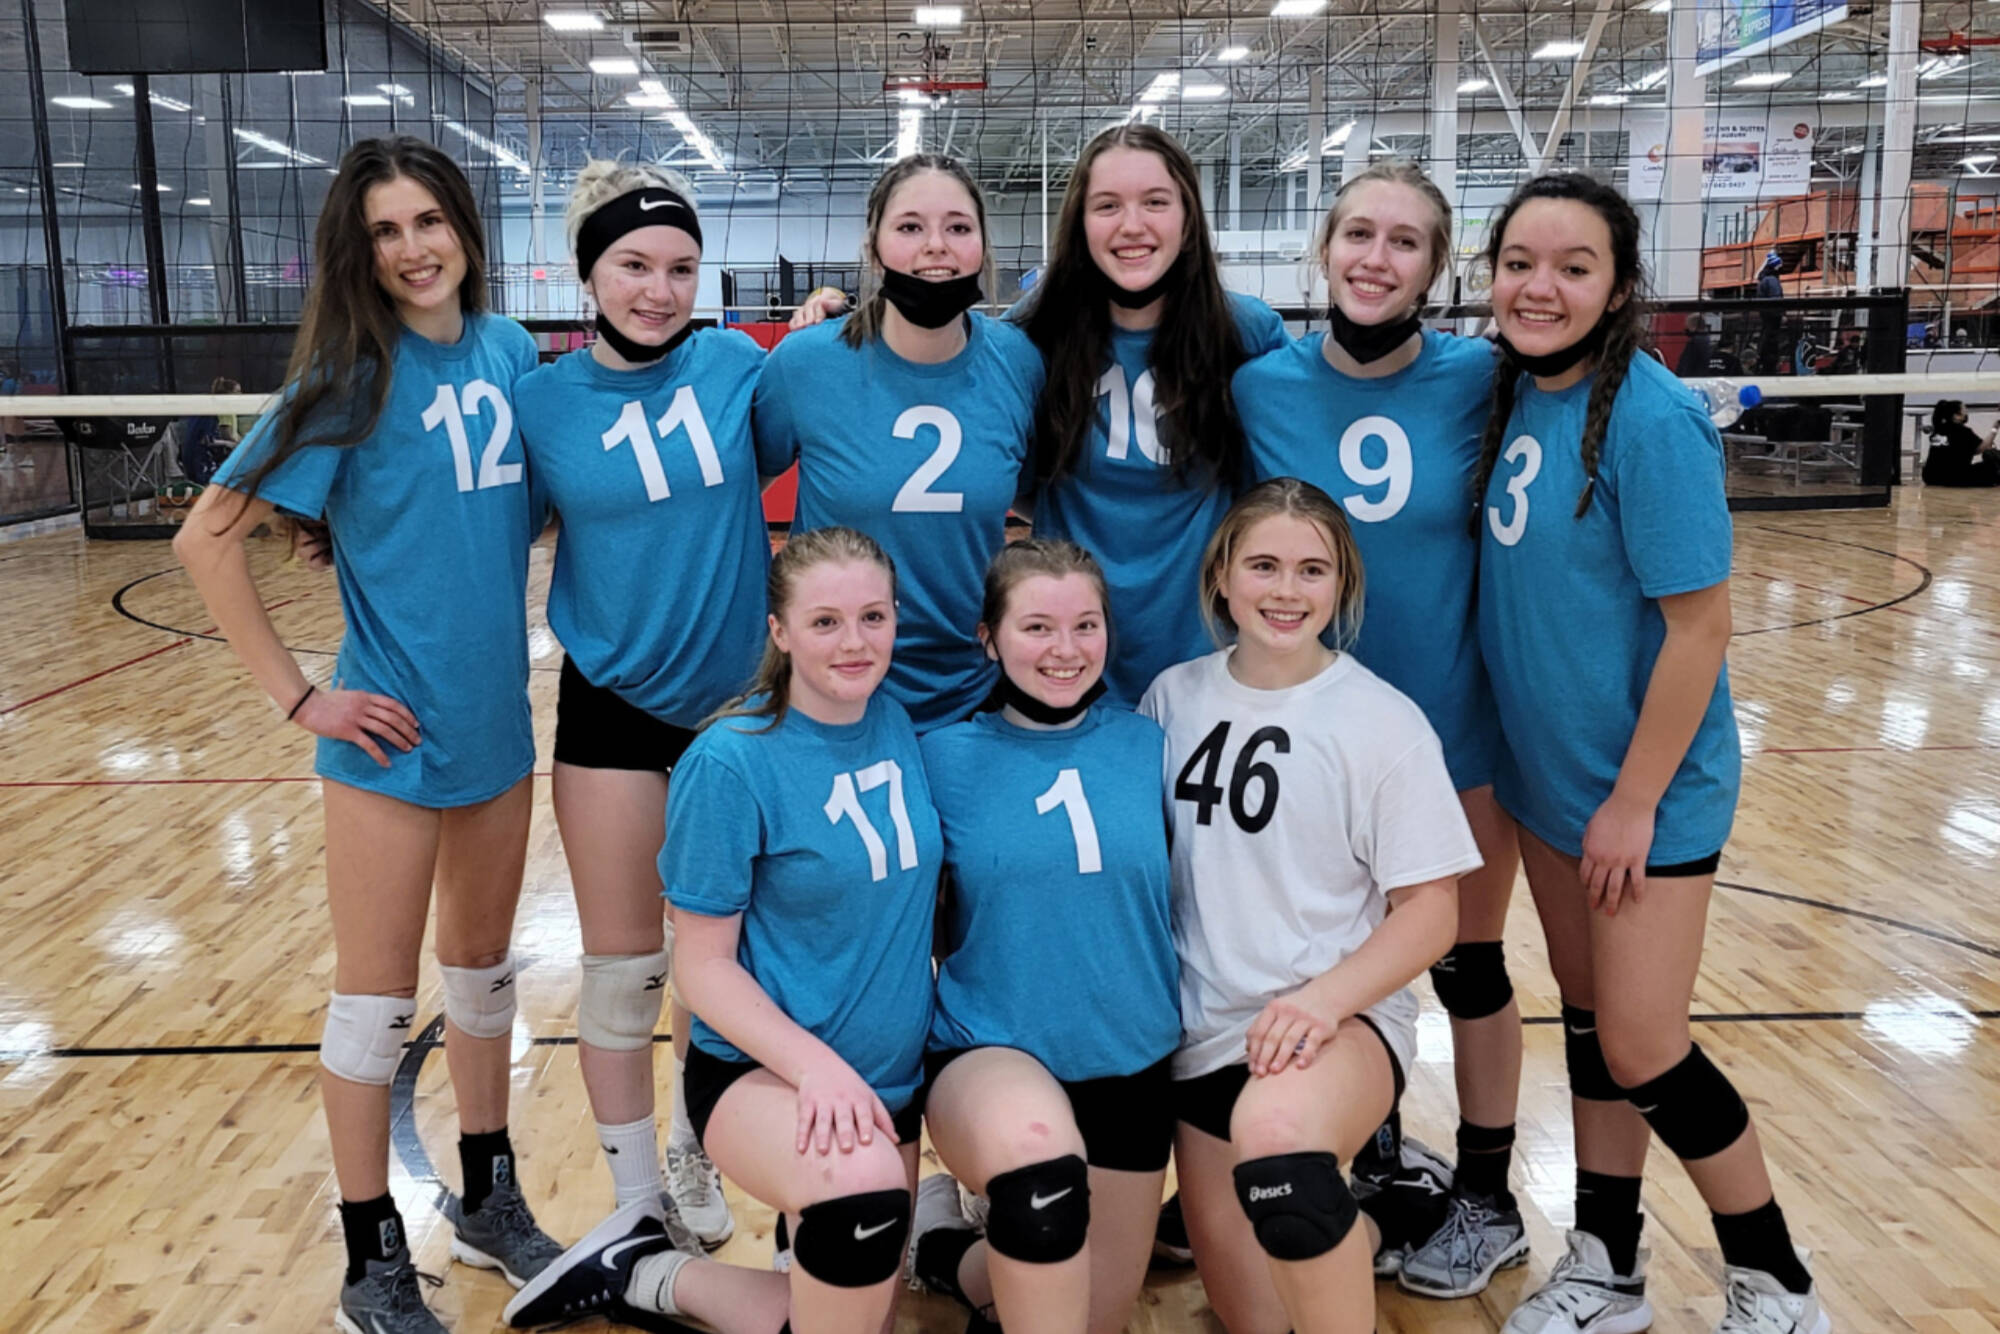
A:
(1294, 812)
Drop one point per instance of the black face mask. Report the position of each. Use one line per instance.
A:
(1562, 359)
(1145, 296)
(930, 305)
(639, 354)
(1371, 342)
(1006, 694)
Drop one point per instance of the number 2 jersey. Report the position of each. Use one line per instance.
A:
(1056, 922)
(925, 459)
(431, 522)
(824, 838)
(1294, 813)
(658, 589)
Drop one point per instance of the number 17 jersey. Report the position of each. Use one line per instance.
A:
(1294, 813)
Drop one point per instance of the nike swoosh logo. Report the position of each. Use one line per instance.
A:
(647, 205)
(1583, 1318)
(1580, 1032)
(863, 1234)
(609, 1254)
(1645, 1111)
(1037, 1202)
(375, 1324)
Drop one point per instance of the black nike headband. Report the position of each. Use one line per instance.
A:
(654, 206)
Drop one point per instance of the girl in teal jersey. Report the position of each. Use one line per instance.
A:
(641, 442)
(1604, 618)
(1386, 417)
(397, 428)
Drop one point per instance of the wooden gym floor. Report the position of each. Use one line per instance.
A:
(164, 960)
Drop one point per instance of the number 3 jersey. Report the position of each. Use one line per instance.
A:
(925, 459)
(431, 523)
(824, 838)
(658, 589)
(1399, 453)
(1294, 813)
(1056, 923)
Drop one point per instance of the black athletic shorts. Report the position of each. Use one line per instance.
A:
(1127, 1121)
(1699, 866)
(706, 1078)
(1206, 1101)
(595, 729)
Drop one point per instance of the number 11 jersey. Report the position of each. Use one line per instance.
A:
(1294, 813)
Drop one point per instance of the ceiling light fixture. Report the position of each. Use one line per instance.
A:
(573, 20)
(1232, 53)
(1558, 51)
(613, 66)
(937, 16)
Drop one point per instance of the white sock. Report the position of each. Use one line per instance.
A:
(681, 1134)
(632, 1151)
(651, 1287)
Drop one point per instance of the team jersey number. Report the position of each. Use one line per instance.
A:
(1396, 470)
(450, 409)
(1528, 452)
(684, 413)
(845, 804)
(1131, 416)
(916, 496)
(1067, 792)
(1206, 793)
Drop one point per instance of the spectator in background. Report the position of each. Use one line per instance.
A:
(206, 441)
(1698, 351)
(1769, 286)
(1961, 337)
(1847, 356)
(1958, 456)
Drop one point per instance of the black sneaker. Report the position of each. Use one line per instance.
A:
(1170, 1238)
(590, 1277)
(1408, 1196)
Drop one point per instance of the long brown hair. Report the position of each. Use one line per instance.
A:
(1625, 323)
(1195, 350)
(1300, 500)
(865, 324)
(338, 379)
(800, 553)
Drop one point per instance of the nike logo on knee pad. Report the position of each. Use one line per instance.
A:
(863, 1234)
(1041, 1202)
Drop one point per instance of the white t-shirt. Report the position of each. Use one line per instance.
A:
(1293, 812)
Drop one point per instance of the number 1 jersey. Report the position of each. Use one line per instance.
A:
(1294, 812)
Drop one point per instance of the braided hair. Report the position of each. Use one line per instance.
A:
(1625, 324)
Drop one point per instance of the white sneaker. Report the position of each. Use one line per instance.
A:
(937, 1207)
(1584, 1296)
(696, 1188)
(1756, 1303)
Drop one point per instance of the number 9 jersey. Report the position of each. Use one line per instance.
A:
(1294, 812)
(430, 516)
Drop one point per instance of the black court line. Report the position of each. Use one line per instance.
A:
(1918, 566)
(1914, 928)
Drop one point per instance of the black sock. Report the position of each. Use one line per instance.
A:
(1484, 1155)
(374, 1231)
(484, 1161)
(1395, 1125)
(1760, 1240)
(1607, 1207)
(939, 1252)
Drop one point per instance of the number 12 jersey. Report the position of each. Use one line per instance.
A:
(1294, 812)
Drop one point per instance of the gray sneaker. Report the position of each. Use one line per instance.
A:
(500, 1234)
(1480, 1237)
(1585, 1295)
(387, 1300)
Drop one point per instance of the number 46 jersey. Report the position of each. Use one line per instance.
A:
(1294, 813)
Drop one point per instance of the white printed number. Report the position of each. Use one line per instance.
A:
(1528, 448)
(916, 497)
(1131, 416)
(683, 413)
(845, 803)
(450, 409)
(1067, 792)
(1395, 469)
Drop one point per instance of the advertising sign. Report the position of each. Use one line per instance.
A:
(1733, 30)
(1762, 155)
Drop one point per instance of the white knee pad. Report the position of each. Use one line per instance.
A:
(364, 1036)
(481, 1000)
(621, 999)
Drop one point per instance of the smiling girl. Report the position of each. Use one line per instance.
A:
(1604, 617)
(1317, 843)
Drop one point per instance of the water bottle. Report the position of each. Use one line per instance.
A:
(1724, 401)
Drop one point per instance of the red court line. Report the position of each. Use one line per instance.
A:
(129, 662)
(1814, 588)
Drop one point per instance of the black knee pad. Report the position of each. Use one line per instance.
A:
(1588, 1076)
(855, 1241)
(1693, 1108)
(1298, 1203)
(1471, 980)
(1041, 1212)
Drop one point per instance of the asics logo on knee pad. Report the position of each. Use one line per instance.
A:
(1044, 1201)
(1269, 1192)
